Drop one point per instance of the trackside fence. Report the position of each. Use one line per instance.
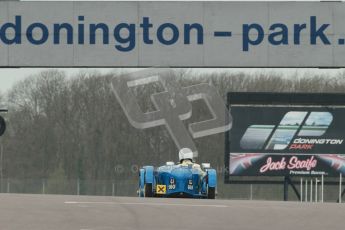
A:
(310, 189)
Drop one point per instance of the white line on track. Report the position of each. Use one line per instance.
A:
(147, 204)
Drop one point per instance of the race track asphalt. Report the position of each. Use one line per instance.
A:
(50, 212)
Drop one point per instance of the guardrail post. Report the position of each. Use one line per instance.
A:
(322, 181)
(8, 186)
(251, 191)
(311, 190)
(306, 190)
(316, 195)
(301, 190)
(113, 190)
(43, 187)
(78, 187)
(340, 183)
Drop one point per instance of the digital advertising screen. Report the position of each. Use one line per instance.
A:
(298, 137)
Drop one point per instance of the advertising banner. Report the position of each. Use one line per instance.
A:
(171, 34)
(286, 138)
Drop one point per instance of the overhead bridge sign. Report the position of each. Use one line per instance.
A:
(178, 34)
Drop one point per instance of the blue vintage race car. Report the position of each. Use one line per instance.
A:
(173, 180)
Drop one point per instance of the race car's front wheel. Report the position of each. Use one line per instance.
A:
(211, 193)
(148, 190)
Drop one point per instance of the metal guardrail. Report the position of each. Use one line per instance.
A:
(316, 191)
(128, 187)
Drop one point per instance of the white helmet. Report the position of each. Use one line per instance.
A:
(185, 153)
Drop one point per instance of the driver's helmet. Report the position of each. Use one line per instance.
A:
(185, 153)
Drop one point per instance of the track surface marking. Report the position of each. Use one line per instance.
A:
(50, 212)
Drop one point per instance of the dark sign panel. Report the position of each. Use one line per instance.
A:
(276, 136)
(2, 126)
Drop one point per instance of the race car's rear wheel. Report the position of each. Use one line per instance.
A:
(211, 193)
(148, 190)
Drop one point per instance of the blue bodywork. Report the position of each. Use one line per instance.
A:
(177, 181)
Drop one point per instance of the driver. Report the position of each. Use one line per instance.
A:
(186, 158)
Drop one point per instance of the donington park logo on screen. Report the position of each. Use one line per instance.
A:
(279, 137)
